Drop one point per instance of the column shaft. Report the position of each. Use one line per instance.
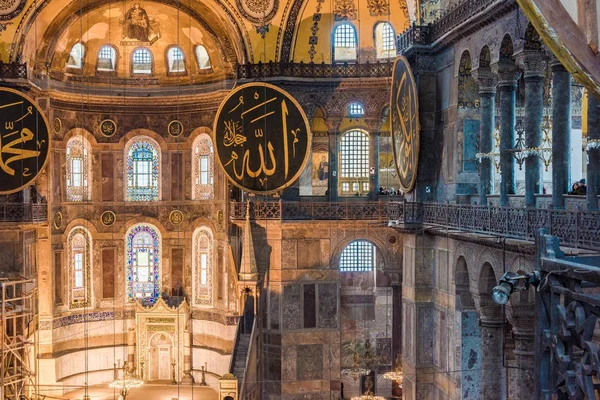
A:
(534, 109)
(593, 153)
(524, 383)
(508, 102)
(333, 165)
(488, 99)
(561, 134)
(374, 163)
(493, 382)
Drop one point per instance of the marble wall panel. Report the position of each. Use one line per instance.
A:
(274, 301)
(309, 362)
(288, 364)
(328, 305)
(288, 254)
(471, 356)
(424, 314)
(310, 254)
(292, 307)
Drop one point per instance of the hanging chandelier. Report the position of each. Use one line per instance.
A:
(368, 394)
(396, 375)
(126, 383)
(356, 371)
(494, 155)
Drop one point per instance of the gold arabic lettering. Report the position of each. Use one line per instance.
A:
(19, 154)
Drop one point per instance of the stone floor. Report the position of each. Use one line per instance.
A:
(147, 392)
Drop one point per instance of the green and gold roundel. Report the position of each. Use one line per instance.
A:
(24, 140)
(405, 123)
(262, 138)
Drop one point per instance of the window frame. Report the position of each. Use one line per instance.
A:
(201, 69)
(197, 157)
(334, 46)
(203, 293)
(154, 266)
(350, 153)
(83, 192)
(363, 250)
(115, 61)
(144, 193)
(151, 64)
(170, 72)
(79, 68)
(381, 52)
(80, 295)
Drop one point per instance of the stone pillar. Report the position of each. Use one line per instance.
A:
(561, 134)
(333, 126)
(521, 316)
(493, 374)
(533, 64)
(508, 74)
(593, 152)
(487, 95)
(374, 164)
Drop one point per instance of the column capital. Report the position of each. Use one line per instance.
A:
(490, 312)
(533, 63)
(557, 65)
(333, 123)
(486, 78)
(507, 71)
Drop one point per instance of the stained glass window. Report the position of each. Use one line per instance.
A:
(203, 267)
(143, 263)
(79, 244)
(76, 56)
(203, 168)
(142, 61)
(344, 42)
(176, 60)
(202, 56)
(358, 256)
(142, 171)
(107, 58)
(385, 40)
(354, 163)
(78, 172)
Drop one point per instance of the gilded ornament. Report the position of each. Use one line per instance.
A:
(57, 221)
(176, 217)
(108, 218)
(220, 218)
(175, 128)
(345, 10)
(57, 125)
(108, 127)
(378, 8)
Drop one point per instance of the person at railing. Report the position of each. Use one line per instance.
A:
(579, 188)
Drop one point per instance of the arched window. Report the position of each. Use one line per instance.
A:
(142, 61)
(203, 58)
(385, 40)
(203, 267)
(354, 163)
(203, 168)
(175, 60)
(76, 56)
(344, 42)
(107, 59)
(143, 263)
(143, 171)
(78, 170)
(358, 256)
(80, 267)
(356, 110)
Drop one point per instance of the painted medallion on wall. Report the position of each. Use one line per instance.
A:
(176, 217)
(175, 128)
(139, 27)
(405, 123)
(108, 127)
(24, 140)
(258, 11)
(262, 138)
(9, 9)
(108, 218)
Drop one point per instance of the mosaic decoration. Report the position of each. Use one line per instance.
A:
(25, 140)
(344, 10)
(57, 125)
(57, 221)
(9, 9)
(378, 8)
(220, 218)
(142, 172)
(285, 36)
(405, 123)
(468, 90)
(203, 268)
(143, 263)
(258, 11)
(262, 138)
(176, 217)
(79, 244)
(203, 168)
(108, 218)
(175, 128)
(108, 127)
(78, 169)
(313, 40)
(139, 27)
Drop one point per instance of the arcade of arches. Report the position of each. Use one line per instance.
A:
(132, 255)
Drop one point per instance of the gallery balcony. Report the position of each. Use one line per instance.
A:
(23, 212)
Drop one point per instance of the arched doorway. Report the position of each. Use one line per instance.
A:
(160, 353)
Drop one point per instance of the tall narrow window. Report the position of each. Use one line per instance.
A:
(385, 40)
(143, 263)
(76, 56)
(354, 163)
(79, 243)
(202, 57)
(175, 60)
(358, 256)
(142, 171)
(142, 61)
(107, 59)
(203, 168)
(78, 170)
(344, 42)
(203, 267)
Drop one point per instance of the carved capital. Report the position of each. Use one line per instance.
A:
(486, 78)
(507, 71)
(333, 123)
(533, 63)
(490, 312)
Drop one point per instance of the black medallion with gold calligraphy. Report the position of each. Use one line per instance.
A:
(24, 140)
(262, 138)
(405, 123)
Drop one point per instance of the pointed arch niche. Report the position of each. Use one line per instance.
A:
(203, 267)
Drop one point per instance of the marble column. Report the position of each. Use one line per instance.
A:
(521, 315)
(508, 75)
(533, 64)
(493, 376)
(561, 134)
(593, 152)
(487, 96)
(333, 126)
(374, 164)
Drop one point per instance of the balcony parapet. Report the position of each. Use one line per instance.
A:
(23, 212)
(13, 70)
(380, 69)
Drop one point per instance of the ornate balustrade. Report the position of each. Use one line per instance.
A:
(574, 228)
(19, 212)
(312, 70)
(13, 70)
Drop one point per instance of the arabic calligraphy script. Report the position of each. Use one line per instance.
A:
(262, 138)
(405, 124)
(24, 141)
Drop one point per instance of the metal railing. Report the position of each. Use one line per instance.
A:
(23, 212)
(13, 70)
(574, 228)
(313, 70)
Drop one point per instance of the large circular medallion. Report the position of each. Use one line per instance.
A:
(262, 138)
(405, 123)
(24, 140)
(10, 9)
